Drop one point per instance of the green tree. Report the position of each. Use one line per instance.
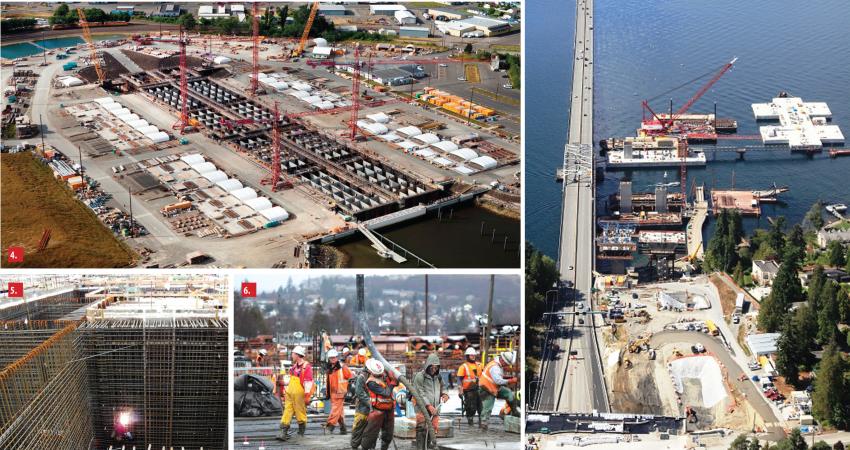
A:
(188, 21)
(815, 215)
(740, 443)
(467, 48)
(835, 254)
(790, 351)
(795, 246)
(794, 441)
(776, 235)
(838, 446)
(831, 397)
(821, 445)
(96, 15)
(17, 25)
(786, 290)
(828, 312)
(320, 320)
(283, 14)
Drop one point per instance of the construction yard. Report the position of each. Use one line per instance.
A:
(213, 151)
(674, 353)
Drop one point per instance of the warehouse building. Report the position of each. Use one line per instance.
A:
(475, 26)
(405, 17)
(419, 32)
(332, 10)
(385, 10)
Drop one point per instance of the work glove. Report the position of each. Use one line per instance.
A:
(431, 410)
(513, 380)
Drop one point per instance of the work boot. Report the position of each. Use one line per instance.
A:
(470, 421)
(420, 439)
(329, 429)
(284, 433)
(484, 426)
(342, 430)
(302, 427)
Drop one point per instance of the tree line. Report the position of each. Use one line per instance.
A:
(63, 15)
(16, 25)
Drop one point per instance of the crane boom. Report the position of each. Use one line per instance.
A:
(255, 50)
(705, 88)
(92, 49)
(303, 42)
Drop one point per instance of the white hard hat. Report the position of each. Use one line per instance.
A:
(263, 352)
(470, 351)
(374, 366)
(346, 351)
(333, 353)
(509, 357)
(299, 350)
(361, 352)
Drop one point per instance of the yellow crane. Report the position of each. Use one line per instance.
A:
(92, 49)
(303, 42)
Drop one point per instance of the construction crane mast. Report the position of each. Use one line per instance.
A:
(303, 42)
(355, 92)
(183, 122)
(92, 49)
(255, 50)
(275, 177)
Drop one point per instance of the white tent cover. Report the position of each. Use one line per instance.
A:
(375, 128)
(447, 146)
(427, 138)
(409, 131)
(426, 153)
(104, 100)
(407, 145)
(230, 184)
(390, 137)
(158, 137)
(259, 203)
(464, 170)
(216, 176)
(192, 159)
(221, 60)
(442, 161)
(138, 124)
(245, 193)
(465, 153)
(379, 117)
(274, 214)
(485, 162)
(204, 167)
(151, 129)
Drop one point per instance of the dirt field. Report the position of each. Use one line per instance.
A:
(33, 201)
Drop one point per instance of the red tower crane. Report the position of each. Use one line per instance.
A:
(183, 122)
(275, 179)
(255, 50)
(355, 92)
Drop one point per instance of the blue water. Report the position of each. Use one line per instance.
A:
(23, 49)
(645, 48)
(50, 44)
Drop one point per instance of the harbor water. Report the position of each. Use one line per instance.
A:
(453, 242)
(644, 49)
(23, 49)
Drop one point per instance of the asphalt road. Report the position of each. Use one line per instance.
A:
(577, 385)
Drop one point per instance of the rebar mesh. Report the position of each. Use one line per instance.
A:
(43, 394)
(170, 374)
(49, 308)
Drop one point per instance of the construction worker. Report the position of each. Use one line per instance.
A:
(346, 355)
(494, 385)
(362, 408)
(298, 390)
(381, 419)
(360, 358)
(429, 385)
(468, 373)
(338, 376)
(259, 361)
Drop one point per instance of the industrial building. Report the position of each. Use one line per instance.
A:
(475, 27)
(419, 32)
(386, 10)
(100, 362)
(332, 10)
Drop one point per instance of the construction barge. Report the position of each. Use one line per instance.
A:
(747, 202)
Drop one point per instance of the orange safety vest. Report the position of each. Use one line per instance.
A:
(469, 373)
(339, 383)
(379, 402)
(487, 381)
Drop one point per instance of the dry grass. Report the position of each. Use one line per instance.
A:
(32, 201)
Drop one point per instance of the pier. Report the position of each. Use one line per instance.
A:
(696, 248)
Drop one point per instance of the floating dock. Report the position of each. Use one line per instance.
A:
(802, 125)
(747, 202)
(635, 159)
